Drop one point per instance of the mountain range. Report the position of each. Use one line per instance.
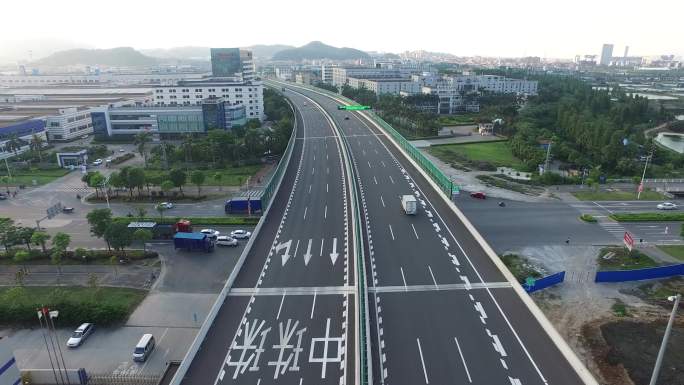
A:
(130, 57)
(318, 50)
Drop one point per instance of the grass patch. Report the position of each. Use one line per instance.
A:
(101, 305)
(508, 184)
(75, 256)
(232, 176)
(648, 217)
(676, 251)
(520, 267)
(455, 120)
(620, 258)
(498, 154)
(647, 195)
(620, 309)
(216, 221)
(26, 177)
(657, 291)
(588, 218)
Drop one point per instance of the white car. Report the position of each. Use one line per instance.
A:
(240, 234)
(97, 162)
(79, 335)
(667, 206)
(122, 150)
(225, 240)
(166, 205)
(211, 233)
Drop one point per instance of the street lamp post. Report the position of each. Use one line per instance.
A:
(663, 345)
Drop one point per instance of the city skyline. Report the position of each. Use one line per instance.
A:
(512, 30)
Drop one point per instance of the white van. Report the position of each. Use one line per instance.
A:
(143, 348)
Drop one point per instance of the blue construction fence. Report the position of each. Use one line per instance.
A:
(545, 282)
(639, 274)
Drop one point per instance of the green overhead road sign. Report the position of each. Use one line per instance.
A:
(353, 108)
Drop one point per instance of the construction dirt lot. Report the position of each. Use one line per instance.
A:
(616, 329)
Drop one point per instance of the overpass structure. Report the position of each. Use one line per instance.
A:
(339, 286)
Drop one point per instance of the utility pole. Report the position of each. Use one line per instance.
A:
(643, 175)
(663, 345)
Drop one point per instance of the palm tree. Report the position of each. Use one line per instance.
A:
(37, 145)
(141, 140)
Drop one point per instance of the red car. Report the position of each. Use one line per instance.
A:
(478, 195)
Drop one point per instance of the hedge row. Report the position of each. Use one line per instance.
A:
(77, 254)
(217, 221)
(102, 305)
(648, 217)
(123, 158)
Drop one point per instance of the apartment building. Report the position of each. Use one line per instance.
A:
(386, 86)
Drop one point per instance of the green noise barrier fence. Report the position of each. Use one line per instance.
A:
(272, 185)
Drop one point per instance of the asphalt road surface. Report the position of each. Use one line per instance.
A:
(441, 311)
(289, 317)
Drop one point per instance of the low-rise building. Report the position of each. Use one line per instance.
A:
(71, 123)
(17, 138)
(168, 121)
(386, 86)
(340, 75)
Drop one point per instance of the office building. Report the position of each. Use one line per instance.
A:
(232, 63)
(606, 54)
(386, 86)
(70, 124)
(341, 74)
(168, 121)
(327, 73)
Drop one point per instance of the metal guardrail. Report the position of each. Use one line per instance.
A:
(663, 180)
(273, 185)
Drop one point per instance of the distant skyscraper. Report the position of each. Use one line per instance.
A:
(606, 54)
(626, 51)
(225, 62)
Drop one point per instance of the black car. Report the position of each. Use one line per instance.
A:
(3, 197)
(67, 210)
(346, 118)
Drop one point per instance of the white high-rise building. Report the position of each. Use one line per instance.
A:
(606, 54)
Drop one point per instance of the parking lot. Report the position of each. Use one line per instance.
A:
(173, 312)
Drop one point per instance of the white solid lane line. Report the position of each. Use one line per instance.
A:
(281, 304)
(321, 253)
(433, 278)
(465, 366)
(313, 305)
(326, 187)
(403, 278)
(420, 350)
(391, 232)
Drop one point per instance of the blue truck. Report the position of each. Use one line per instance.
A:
(246, 204)
(193, 241)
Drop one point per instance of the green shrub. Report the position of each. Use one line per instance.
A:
(216, 221)
(648, 217)
(588, 218)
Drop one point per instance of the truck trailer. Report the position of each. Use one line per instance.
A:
(409, 204)
(193, 241)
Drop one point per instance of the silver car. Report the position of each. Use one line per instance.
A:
(667, 206)
(240, 234)
(79, 335)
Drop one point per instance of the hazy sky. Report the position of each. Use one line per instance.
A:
(547, 28)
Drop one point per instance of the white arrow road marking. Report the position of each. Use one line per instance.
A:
(334, 254)
(454, 260)
(286, 246)
(307, 255)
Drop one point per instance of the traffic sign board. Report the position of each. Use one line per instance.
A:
(629, 240)
(353, 108)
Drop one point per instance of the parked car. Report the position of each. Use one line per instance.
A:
(240, 234)
(225, 240)
(122, 150)
(667, 206)
(166, 205)
(97, 162)
(3, 196)
(79, 335)
(211, 233)
(144, 348)
(67, 210)
(478, 195)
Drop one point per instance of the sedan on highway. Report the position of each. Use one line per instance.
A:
(79, 335)
(667, 206)
(478, 195)
(225, 240)
(211, 233)
(166, 205)
(240, 234)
